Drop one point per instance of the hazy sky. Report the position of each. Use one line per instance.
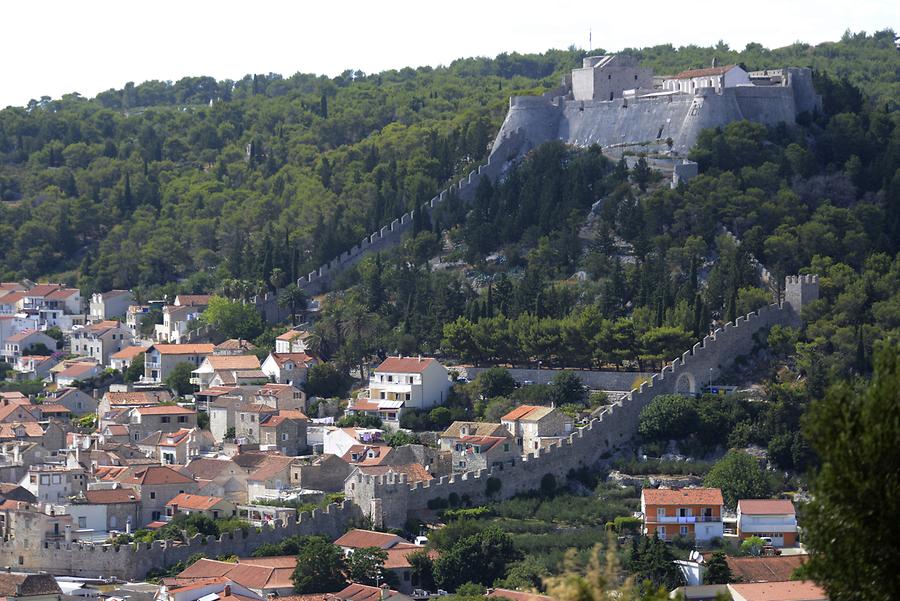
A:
(54, 47)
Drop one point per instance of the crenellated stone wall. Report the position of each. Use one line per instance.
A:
(133, 561)
(390, 499)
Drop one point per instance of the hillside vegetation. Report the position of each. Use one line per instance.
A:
(200, 181)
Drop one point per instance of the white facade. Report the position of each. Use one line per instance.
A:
(717, 78)
(421, 383)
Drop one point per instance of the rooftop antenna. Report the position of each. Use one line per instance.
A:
(590, 43)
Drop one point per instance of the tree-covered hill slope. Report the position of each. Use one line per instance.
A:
(200, 181)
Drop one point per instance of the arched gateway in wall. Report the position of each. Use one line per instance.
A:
(686, 384)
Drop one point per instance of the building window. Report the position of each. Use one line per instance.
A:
(660, 512)
(166, 419)
(152, 495)
(683, 530)
(182, 419)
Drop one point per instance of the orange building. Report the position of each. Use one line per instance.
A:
(690, 512)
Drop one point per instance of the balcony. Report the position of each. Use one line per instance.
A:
(676, 519)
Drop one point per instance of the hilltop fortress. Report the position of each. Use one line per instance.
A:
(612, 100)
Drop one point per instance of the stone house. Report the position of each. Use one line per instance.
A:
(248, 418)
(160, 418)
(270, 479)
(419, 382)
(29, 587)
(220, 478)
(264, 577)
(284, 431)
(75, 400)
(53, 483)
(222, 413)
(281, 396)
(471, 453)
(687, 512)
(161, 359)
(458, 430)
(288, 368)
(107, 305)
(319, 472)
(175, 448)
(193, 300)
(155, 485)
(362, 592)
(212, 507)
(128, 400)
(22, 343)
(608, 77)
(134, 318)
(234, 346)
(535, 426)
(99, 340)
(107, 509)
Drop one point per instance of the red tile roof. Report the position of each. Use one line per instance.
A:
(184, 349)
(361, 592)
(77, 370)
(524, 412)
(42, 290)
(218, 362)
(405, 365)
(271, 467)
(415, 472)
(62, 293)
(138, 398)
(765, 507)
(682, 496)
(195, 502)
(165, 410)
(792, 590)
(298, 358)
(765, 569)
(111, 495)
(506, 593)
(704, 72)
(485, 442)
(358, 539)
(129, 352)
(153, 475)
(54, 408)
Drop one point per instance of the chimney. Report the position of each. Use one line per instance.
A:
(385, 591)
(226, 592)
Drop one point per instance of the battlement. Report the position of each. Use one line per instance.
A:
(609, 428)
(132, 561)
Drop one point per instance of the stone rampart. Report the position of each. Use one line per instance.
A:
(391, 235)
(390, 499)
(133, 561)
(653, 119)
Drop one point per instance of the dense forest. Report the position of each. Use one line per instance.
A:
(190, 183)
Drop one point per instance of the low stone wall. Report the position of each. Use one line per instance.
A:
(133, 561)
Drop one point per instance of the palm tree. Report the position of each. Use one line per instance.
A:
(292, 296)
(358, 326)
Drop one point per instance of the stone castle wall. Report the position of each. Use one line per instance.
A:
(390, 499)
(133, 561)
(645, 120)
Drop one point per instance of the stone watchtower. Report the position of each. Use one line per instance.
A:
(799, 291)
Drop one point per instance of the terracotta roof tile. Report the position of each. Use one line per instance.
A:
(361, 592)
(475, 429)
(154, 475)
(765, 506)
(184, 349)
(703, 72)
(506, 593)
(682, 496)
(129, 352)
(164, 410)
(358, 539)
(218, 362)
(792, 590)
(405, 365)
(105, 496)
(271, 467)
(765, 569)
(195, 502)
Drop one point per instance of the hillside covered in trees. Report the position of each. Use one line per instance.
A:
(187, 184)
